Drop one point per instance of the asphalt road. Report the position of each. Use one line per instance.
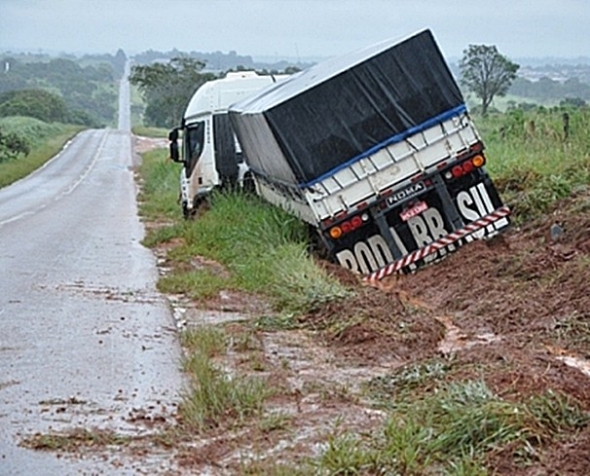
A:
(85, 339)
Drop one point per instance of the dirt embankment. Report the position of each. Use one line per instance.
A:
(514, 312)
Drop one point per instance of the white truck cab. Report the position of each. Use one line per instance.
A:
(210, 151)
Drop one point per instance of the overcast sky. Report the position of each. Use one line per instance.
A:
(292, 29)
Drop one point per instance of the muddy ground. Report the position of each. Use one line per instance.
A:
(514, 312)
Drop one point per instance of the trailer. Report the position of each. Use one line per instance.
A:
(377, 151)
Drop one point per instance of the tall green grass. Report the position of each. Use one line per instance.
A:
(45, 140)
(451, 431)
(158, 198)
(215, 398)
(262, 248)
(531, 161)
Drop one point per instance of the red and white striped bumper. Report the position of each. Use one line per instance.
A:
(437, 245)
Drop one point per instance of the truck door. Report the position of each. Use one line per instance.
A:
(226, 155)
(194, 142)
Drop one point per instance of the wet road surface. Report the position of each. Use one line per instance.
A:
(85, 339)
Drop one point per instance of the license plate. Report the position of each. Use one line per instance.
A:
(413, 211)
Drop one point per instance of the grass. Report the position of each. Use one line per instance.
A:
(216, 399)
(530, 160)
(197, 284)
(450, 431)
(158, 198)
(208, 340)
(275, 422)
(145, 131)
(263, 249)
(46, 140)
(407, 379)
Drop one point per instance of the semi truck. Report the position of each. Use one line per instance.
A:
(377, 151)
(210, 152)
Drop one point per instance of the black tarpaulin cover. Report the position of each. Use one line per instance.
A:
(314, 123)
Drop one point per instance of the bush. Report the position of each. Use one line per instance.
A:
(11, 145)
(32, 142)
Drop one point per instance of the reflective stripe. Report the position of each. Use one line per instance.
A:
(438, 244)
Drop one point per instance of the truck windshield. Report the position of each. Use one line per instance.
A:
(194, 140)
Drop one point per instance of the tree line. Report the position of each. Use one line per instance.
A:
(571, 90)
(168, 87)
(61, 90)
(217, 62)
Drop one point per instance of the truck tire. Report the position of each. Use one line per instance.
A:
(185, 211)
(248, 185)
(316, 246)
(200, 206)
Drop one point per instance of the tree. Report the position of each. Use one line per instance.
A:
(168, 87)
(487, 73)
(36, 103)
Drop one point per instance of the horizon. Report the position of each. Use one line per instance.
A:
(550, 60)
(293, 29)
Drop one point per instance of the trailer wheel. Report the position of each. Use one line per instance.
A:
(316, 245)
(248, 185)
(200, 206)
(185, 211)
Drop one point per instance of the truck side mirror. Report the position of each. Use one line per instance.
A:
(173, 138)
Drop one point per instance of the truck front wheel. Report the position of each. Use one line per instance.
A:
(248, 185)
(186, 213)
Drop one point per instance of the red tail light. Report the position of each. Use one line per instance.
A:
(349, 225)
(466, 167)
